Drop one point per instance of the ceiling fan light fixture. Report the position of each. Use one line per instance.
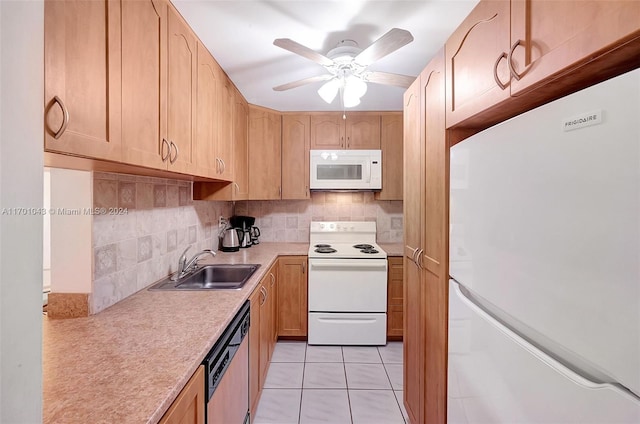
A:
(355, 86)
(329, 90)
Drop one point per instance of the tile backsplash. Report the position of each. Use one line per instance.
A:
(158, 220)
(143, 243)
(288, 220)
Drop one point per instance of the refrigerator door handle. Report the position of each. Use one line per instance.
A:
(541, 355)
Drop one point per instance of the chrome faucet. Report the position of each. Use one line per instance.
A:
(185, 267)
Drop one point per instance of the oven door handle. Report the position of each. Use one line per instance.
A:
(349, 264)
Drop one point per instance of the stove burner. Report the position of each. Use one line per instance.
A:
(363, 246)
(369, 251)
(322, 245)
(325, 250)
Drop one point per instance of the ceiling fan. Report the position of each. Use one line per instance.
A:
(347, 65)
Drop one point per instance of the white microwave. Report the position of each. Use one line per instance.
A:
(346, 169)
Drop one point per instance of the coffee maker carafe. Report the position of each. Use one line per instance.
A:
(243, 225)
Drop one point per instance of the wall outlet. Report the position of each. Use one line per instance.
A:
(222, 222)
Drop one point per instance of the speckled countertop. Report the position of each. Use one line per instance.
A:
(392, 249)
(128, 363)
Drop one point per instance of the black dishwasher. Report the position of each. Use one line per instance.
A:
(227, 373)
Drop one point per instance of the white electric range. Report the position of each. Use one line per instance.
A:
(347, 285)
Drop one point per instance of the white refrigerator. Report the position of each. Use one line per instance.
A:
(544, 312)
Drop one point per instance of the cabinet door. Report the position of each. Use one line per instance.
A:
(295, 156)
(476, 53)
(206, 137)
(255, 380)
(327, 132)
(144, 38)
(392, 146)
(181, 92)
(225, 129)
(273, 307)
(83, 78)
(240, 148)
(188, 408)
(292, 296)
(433, 259)
(264, 154)
(553, 36)
(265, 329)
(363, 131)
(394, 298)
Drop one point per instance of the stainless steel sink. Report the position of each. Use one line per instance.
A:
(211, 277)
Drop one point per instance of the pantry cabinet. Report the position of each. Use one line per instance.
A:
(391, 144)
(295, 156)
(394, 299)
(351, 131)
(188, 408)
(292, 296)
(425, 256)
(264, 154)
(83, 81)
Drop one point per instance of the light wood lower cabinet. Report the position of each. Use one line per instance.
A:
(292, 296)
(262, 333)
(188, 408)
(394, 299)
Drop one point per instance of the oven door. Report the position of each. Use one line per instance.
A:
(345, 169)
(347, 285)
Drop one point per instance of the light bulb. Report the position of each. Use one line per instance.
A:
(329, 90)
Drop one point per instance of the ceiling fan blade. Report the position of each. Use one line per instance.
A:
(304, 81)
(299, 49)
(387, 78)
(388, 43)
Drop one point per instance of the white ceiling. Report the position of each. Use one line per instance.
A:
(240, 34)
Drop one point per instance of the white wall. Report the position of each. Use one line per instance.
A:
(21, 177)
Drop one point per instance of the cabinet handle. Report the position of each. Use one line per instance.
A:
(304, 267)
(341, 141)
(217, 166)
(264, 295)
(413, 255)
(495, 71)
(510, 60)
(65, 118)
(306, 188)
(237, 187)
(224, 166)
(279, 191)
(273, 279)
(348, 142)
(162, 155)
(419, 259)
(174, 158)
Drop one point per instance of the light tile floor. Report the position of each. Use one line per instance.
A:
(333, 385)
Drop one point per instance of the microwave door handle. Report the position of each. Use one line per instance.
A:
(368, 167)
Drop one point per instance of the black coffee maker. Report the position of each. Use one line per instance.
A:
(255, 233)
(243, 225)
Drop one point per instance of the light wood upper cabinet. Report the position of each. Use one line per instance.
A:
(264, 154)
(327, 132)
(188, 408)
(181, 92)
(392, 147)
(224, 151)
(292, 296)
(144, 46)
(240, 148)
(549, 37)
(476, 60)
(362, 131)
(207, 114)
(295, 156)
(83, 78)
(357, 131)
